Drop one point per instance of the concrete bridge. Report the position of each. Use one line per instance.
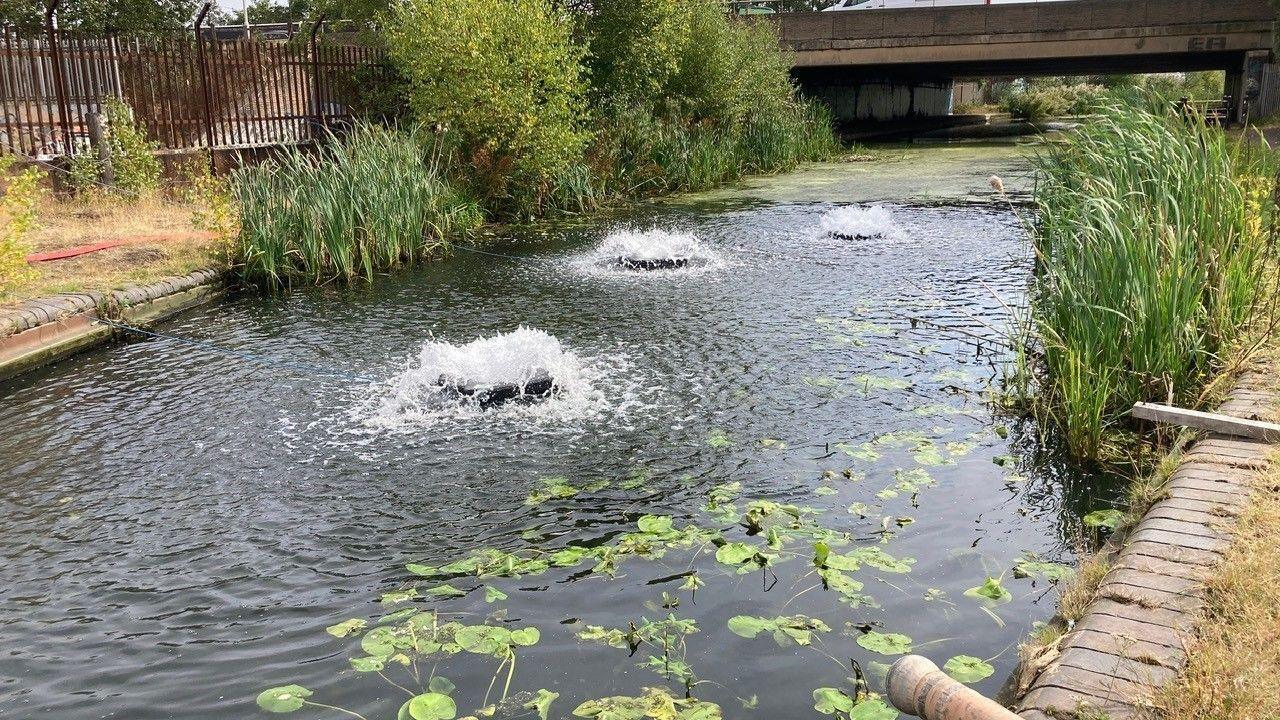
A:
(883, 64)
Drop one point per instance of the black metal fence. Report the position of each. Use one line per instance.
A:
(188, 90)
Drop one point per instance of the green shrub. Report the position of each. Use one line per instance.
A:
(506, 78)
(369, 202)
(84, 174)
(635, 49)
(133, 157)
(729, 70)
(1034, 103)
(1151, 265)
(19, 198)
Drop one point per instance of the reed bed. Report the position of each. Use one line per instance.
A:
(1152, 268)
(372, 201)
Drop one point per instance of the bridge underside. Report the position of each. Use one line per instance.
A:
(879, 55)
(1026, 67)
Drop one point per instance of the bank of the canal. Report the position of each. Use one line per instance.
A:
(1127, 651)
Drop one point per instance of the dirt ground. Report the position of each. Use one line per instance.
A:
(158, 239)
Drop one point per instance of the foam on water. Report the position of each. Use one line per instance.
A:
(648, 246)
(425, 391)
(861, 222)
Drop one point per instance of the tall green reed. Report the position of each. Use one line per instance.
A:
(1151, 267)
(370, 201)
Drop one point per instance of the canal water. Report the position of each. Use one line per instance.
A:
(182, 526)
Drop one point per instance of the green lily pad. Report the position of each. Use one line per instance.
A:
(829, 701)
(368, 664)
(283, 699)
(442, 685)
(446, 591)
(541, 702)
(873, 709)
(1053, 572)
(432, 706)
(885, 643)
(990, 591)
(735, 553)
(1109, 518)
(346, 627)
(655, 524)
(525, 637)
(968, 669)
(483, 639)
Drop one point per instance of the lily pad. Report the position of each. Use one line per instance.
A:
(1030, 566)
(483, 639)
(968, 669)
(990, 591)
(885, 643)
(283, 699)
(346, 627)
(829, 701)
(873, 709)
(1109, 518)
(432, 706)
(542, 702)
(371, 663)
(526, 637)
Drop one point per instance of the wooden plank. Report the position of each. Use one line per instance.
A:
(1213, 422)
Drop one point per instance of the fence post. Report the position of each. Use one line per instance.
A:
(98, 140)
(204, 84)
(59, 82)
(315, 78)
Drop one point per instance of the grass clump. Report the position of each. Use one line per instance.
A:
(373, 201)
(1151, 268)
(1229, 673)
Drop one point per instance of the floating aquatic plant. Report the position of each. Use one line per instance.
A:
(968, 669)
(1109, 518)
(1032, 566)
(990, 592)
(785, 629)
(654, 703)
(885, 643)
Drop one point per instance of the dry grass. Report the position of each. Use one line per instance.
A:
(1237, 655)
(158, 232)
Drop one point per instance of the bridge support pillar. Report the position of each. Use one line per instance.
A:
(883, 100)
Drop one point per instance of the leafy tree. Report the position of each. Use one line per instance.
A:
(636, 47)
(129, 16)
(505, 77)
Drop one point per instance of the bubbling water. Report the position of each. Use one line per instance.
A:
(861, 223)
(449, 380)
(636, 252)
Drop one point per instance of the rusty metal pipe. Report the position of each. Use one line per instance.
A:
(917, 687)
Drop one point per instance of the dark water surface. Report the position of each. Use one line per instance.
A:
(181, 526)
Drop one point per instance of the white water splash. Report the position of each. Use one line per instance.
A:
(862, 223)
(647, 246)
(424, 392)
